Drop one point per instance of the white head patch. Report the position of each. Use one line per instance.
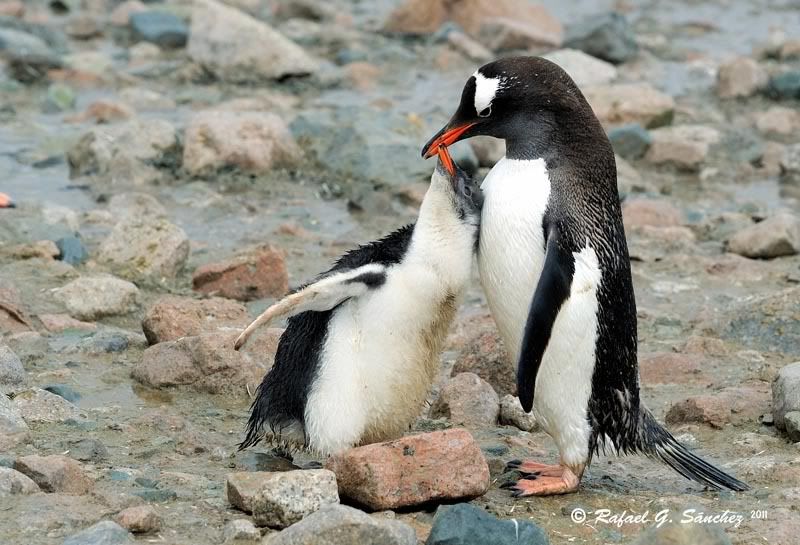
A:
(485, 90)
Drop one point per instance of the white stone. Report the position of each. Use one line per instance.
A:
(142, 247)
(124, 152)
(280, 499)
(786, 393)
(240, 531)
(740, 77)
(512, 414)
(239, 48)
(13, 483)
(251, 141)
(582, 68)
(13, 428)
(93, 297)
(622, 103)
(685, 146)
(37, 405)
(774, 237)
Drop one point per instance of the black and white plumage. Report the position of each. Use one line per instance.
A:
(362, 344)
(554, 265)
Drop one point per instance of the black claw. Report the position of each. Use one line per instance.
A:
(530, 476)
(507, 485)
(513, 464)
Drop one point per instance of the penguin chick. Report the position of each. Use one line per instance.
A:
(362, 344)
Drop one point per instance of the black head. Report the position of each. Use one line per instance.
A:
(529, 102)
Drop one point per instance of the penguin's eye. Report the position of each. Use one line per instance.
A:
(486, 112)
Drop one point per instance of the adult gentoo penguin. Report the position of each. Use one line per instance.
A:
(362, 344)
(554, 264)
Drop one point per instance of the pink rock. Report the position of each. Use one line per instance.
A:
(707, 409)
(774, 237)
(778, 120)
(481, 351)
(12, 8)
(469, 47)
(106, 111)
(254, 275)
(740, 77)
(167, 364)
(236, 47)
(671, 368)
(658, 213)
(621, 103)
(735, 268)
(417, 17)
(468, 400)
(55, 473)
(12, 316)
(56, 323)
(83, 26)
(440, 466)
(252, 141)
(685, 146)
(140, 519)
(506, 33)
(172, 317)
(747, 401)
(649, 243)
(362, 75)
(13, 483)
(426, 16)
(708, 346)
(209, 363)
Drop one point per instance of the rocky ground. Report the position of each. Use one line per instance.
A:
(177, 165)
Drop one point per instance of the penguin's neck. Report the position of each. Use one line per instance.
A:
(530, 137)
(523, 149)
(441, 239)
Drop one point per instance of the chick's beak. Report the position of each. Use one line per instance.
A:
(445, 137)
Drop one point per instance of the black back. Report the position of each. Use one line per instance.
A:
(282, 396)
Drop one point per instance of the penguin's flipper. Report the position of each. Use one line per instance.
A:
(551, 292)
(322, 295)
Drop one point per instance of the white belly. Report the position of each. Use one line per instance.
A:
(380, 359)
(564, 380)
(511, 258)
(512, 253)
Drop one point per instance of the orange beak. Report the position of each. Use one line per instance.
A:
(445, 137)
(5, 201)
(447, 161)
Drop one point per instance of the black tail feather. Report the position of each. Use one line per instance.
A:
(657, 442)
(255, 432)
